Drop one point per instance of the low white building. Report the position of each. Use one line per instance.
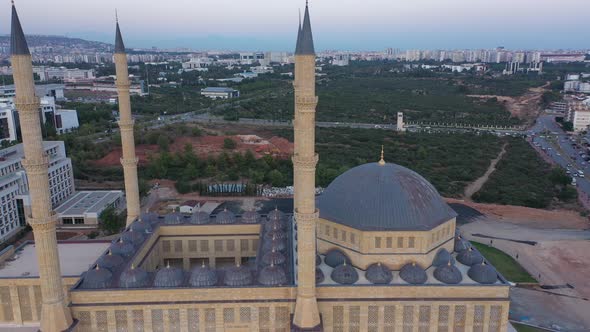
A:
(63, 73)
(578, 113)
(220, 93)
(341, 60)
(198, 64)
(64, 121)
(83, 209)
(189, 207)
(8, 124)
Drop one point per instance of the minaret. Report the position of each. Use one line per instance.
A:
(306, 315)
(55, 315)
(129, 160)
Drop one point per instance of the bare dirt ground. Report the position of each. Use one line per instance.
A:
(525, 107)
(476, 185)
(533, 218)
(205, 146)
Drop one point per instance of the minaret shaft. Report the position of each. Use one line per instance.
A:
(304, 163)
(55, 316)
(126, 124)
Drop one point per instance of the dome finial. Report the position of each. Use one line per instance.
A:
(382, 161)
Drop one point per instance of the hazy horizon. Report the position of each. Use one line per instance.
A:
(342, 24)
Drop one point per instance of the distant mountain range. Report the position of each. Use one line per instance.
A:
(60, 42)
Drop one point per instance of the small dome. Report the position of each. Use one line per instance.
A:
(318, 260)
(344, 274)
(469, 257)
(202, 276)
(273, 224)
(449, 274)
(169, 277)
(173, 219)
(442, 258)
(275, 233)
(134, 278)
(460, 244)
(225, 217)
(141, 226)
(276, 244)
(133, 237)
(413, 273)
(273, 257)
(200, 218)
(122, 248)
(250, 217)
(483, 273)
(97, 278)
(272, 275)
(319, 276)
(275, 214)
(110, 261)
(378, 274)
(238, 275)
(335, 257)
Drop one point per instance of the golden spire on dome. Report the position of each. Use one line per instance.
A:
(382, 161)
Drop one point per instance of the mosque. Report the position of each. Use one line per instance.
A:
(377, 251)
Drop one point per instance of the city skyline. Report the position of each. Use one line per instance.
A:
(340, 25)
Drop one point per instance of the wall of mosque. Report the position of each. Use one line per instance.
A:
(20, 299)
(394, 249)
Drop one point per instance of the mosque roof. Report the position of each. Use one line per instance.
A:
(200, 218)
(335, 257)
(238, 275)
(469, 257)
(443, 256)
(383, 197)
(202, 276)
(169, 276)
(344, 274)
(483, 273)
(448, 274)
(272, 275)
(110, 261)
(379, 274)
(134, 277)
(413, 273)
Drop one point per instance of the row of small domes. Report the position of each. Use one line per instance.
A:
(445, 269)
(200, 276)
(223, 217)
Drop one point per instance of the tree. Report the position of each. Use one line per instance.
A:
(111, 221)
(275, 178)
(163, 143)
(229, 144)
(568, 126)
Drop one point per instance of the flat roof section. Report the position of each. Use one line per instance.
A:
(74, 258)
(87, 202)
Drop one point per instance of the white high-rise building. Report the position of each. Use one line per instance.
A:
(15, 202)
(7, 120)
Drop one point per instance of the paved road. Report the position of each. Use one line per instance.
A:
(548, 136)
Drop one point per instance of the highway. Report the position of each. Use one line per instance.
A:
(556, 145)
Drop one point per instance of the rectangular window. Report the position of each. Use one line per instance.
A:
(244, 245)
(400, 242)
(218, 245)
(204, 245)
(352, 238)
(343, 235)
(378, 242)
(411, 241)
(389, 243)
(327, 230)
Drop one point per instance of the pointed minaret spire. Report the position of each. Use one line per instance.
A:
(18, 43)
(119, 45)
(305, 42)
(297, 46)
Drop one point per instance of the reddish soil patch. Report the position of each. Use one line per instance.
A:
(205, 146)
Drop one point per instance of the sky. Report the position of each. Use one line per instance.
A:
(337, 24)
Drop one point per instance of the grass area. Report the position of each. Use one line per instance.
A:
(526, 328)
(523, 178)
(505, 264)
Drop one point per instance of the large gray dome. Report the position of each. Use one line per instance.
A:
(134, 277)
(97, 278)
(387, 197)
(413, 273)
(169, 277)
(202, 276)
